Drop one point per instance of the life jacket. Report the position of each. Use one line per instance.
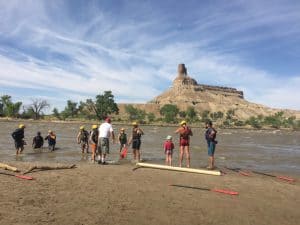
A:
(135, 134)
(123, 138)
(18, 134)
(95, 135)
(84, 136)
(185, 133)
(208, 134)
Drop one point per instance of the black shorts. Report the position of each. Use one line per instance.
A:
(19, 144)
(136, 144)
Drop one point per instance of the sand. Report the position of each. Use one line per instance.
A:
(115, 194)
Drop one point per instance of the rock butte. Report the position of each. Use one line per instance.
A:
(186, 92)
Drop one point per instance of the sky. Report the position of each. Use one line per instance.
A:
(61, 50)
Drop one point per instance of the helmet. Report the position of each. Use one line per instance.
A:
(21, 126)
(169, 137)
(182, 122)
(122, 129)
(94, 126)
(134, 123)
(49, 131)
(81, 127)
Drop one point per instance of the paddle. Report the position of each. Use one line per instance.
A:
(238, 170)
(289, 179)
(124, 153)
(18, 176)
(228, 192)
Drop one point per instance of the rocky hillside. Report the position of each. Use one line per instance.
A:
(186, 92)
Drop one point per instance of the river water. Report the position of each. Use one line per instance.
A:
(261, 150)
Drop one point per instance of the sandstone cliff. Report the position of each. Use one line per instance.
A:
(185, 92)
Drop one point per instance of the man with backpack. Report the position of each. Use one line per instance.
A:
(83, 139)
(210, 136)
(18, 136)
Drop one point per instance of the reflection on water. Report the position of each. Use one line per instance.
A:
(274, 151)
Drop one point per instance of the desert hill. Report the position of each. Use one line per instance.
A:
(186, 92)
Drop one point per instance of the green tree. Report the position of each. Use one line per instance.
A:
(56, 113)
(169, 112)
(254, 122)
(191, 114)
(9, 108)
(103, 105)
(135, 114)
(205, 116)
(70, 110)
(151, 117)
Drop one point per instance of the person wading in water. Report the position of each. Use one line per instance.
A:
(18, 136)
(83, 139)
(210, 136)
(184, 142)
(135, 139)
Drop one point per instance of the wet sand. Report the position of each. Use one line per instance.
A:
(114, 194)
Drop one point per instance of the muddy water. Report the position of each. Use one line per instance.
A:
(269, 151)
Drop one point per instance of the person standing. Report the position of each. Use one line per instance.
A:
(184, 142)
(83, 139)
(168, 148)
(37, 141)
(210, 136)
(136, 142)
(105, 132)
(51, 137)
(122, 137)
(18, 136)
(94, 141)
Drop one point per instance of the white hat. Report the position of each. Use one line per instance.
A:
(169, 137)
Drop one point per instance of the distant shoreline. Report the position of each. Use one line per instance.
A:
(128, 123)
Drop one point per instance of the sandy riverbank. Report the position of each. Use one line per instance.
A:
(114, 194)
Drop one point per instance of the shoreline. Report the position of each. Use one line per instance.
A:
(91, 122)
(115, 194)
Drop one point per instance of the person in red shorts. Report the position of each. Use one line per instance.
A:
(168, 147)
(184, 142)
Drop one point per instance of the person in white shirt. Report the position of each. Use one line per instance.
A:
(105, 132)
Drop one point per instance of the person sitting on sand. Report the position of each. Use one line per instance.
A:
(184, 142)
(37, 141)
(51, 137)
(122, 137)
(18, 136)
(105, 132)
(83, 139)
(210, 136)
(94, 141)
(168, 148)
(135, 139)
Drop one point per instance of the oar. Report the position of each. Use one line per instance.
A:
(228, 192)
(18, 176)
(289, 179)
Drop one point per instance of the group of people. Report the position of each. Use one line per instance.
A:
(37, 141)
(98, 140)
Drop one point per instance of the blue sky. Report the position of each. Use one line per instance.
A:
(60, 50)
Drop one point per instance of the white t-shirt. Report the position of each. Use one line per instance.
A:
(105, 129)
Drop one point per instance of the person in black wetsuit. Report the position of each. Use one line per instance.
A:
(18, 136)
(37, 141)
(51, 137)
(136, 141)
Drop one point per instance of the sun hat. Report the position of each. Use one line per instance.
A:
(169, 137)
(182, 122)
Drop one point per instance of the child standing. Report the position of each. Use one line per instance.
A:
(168, 147)
(51, 137)
(122, 137)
